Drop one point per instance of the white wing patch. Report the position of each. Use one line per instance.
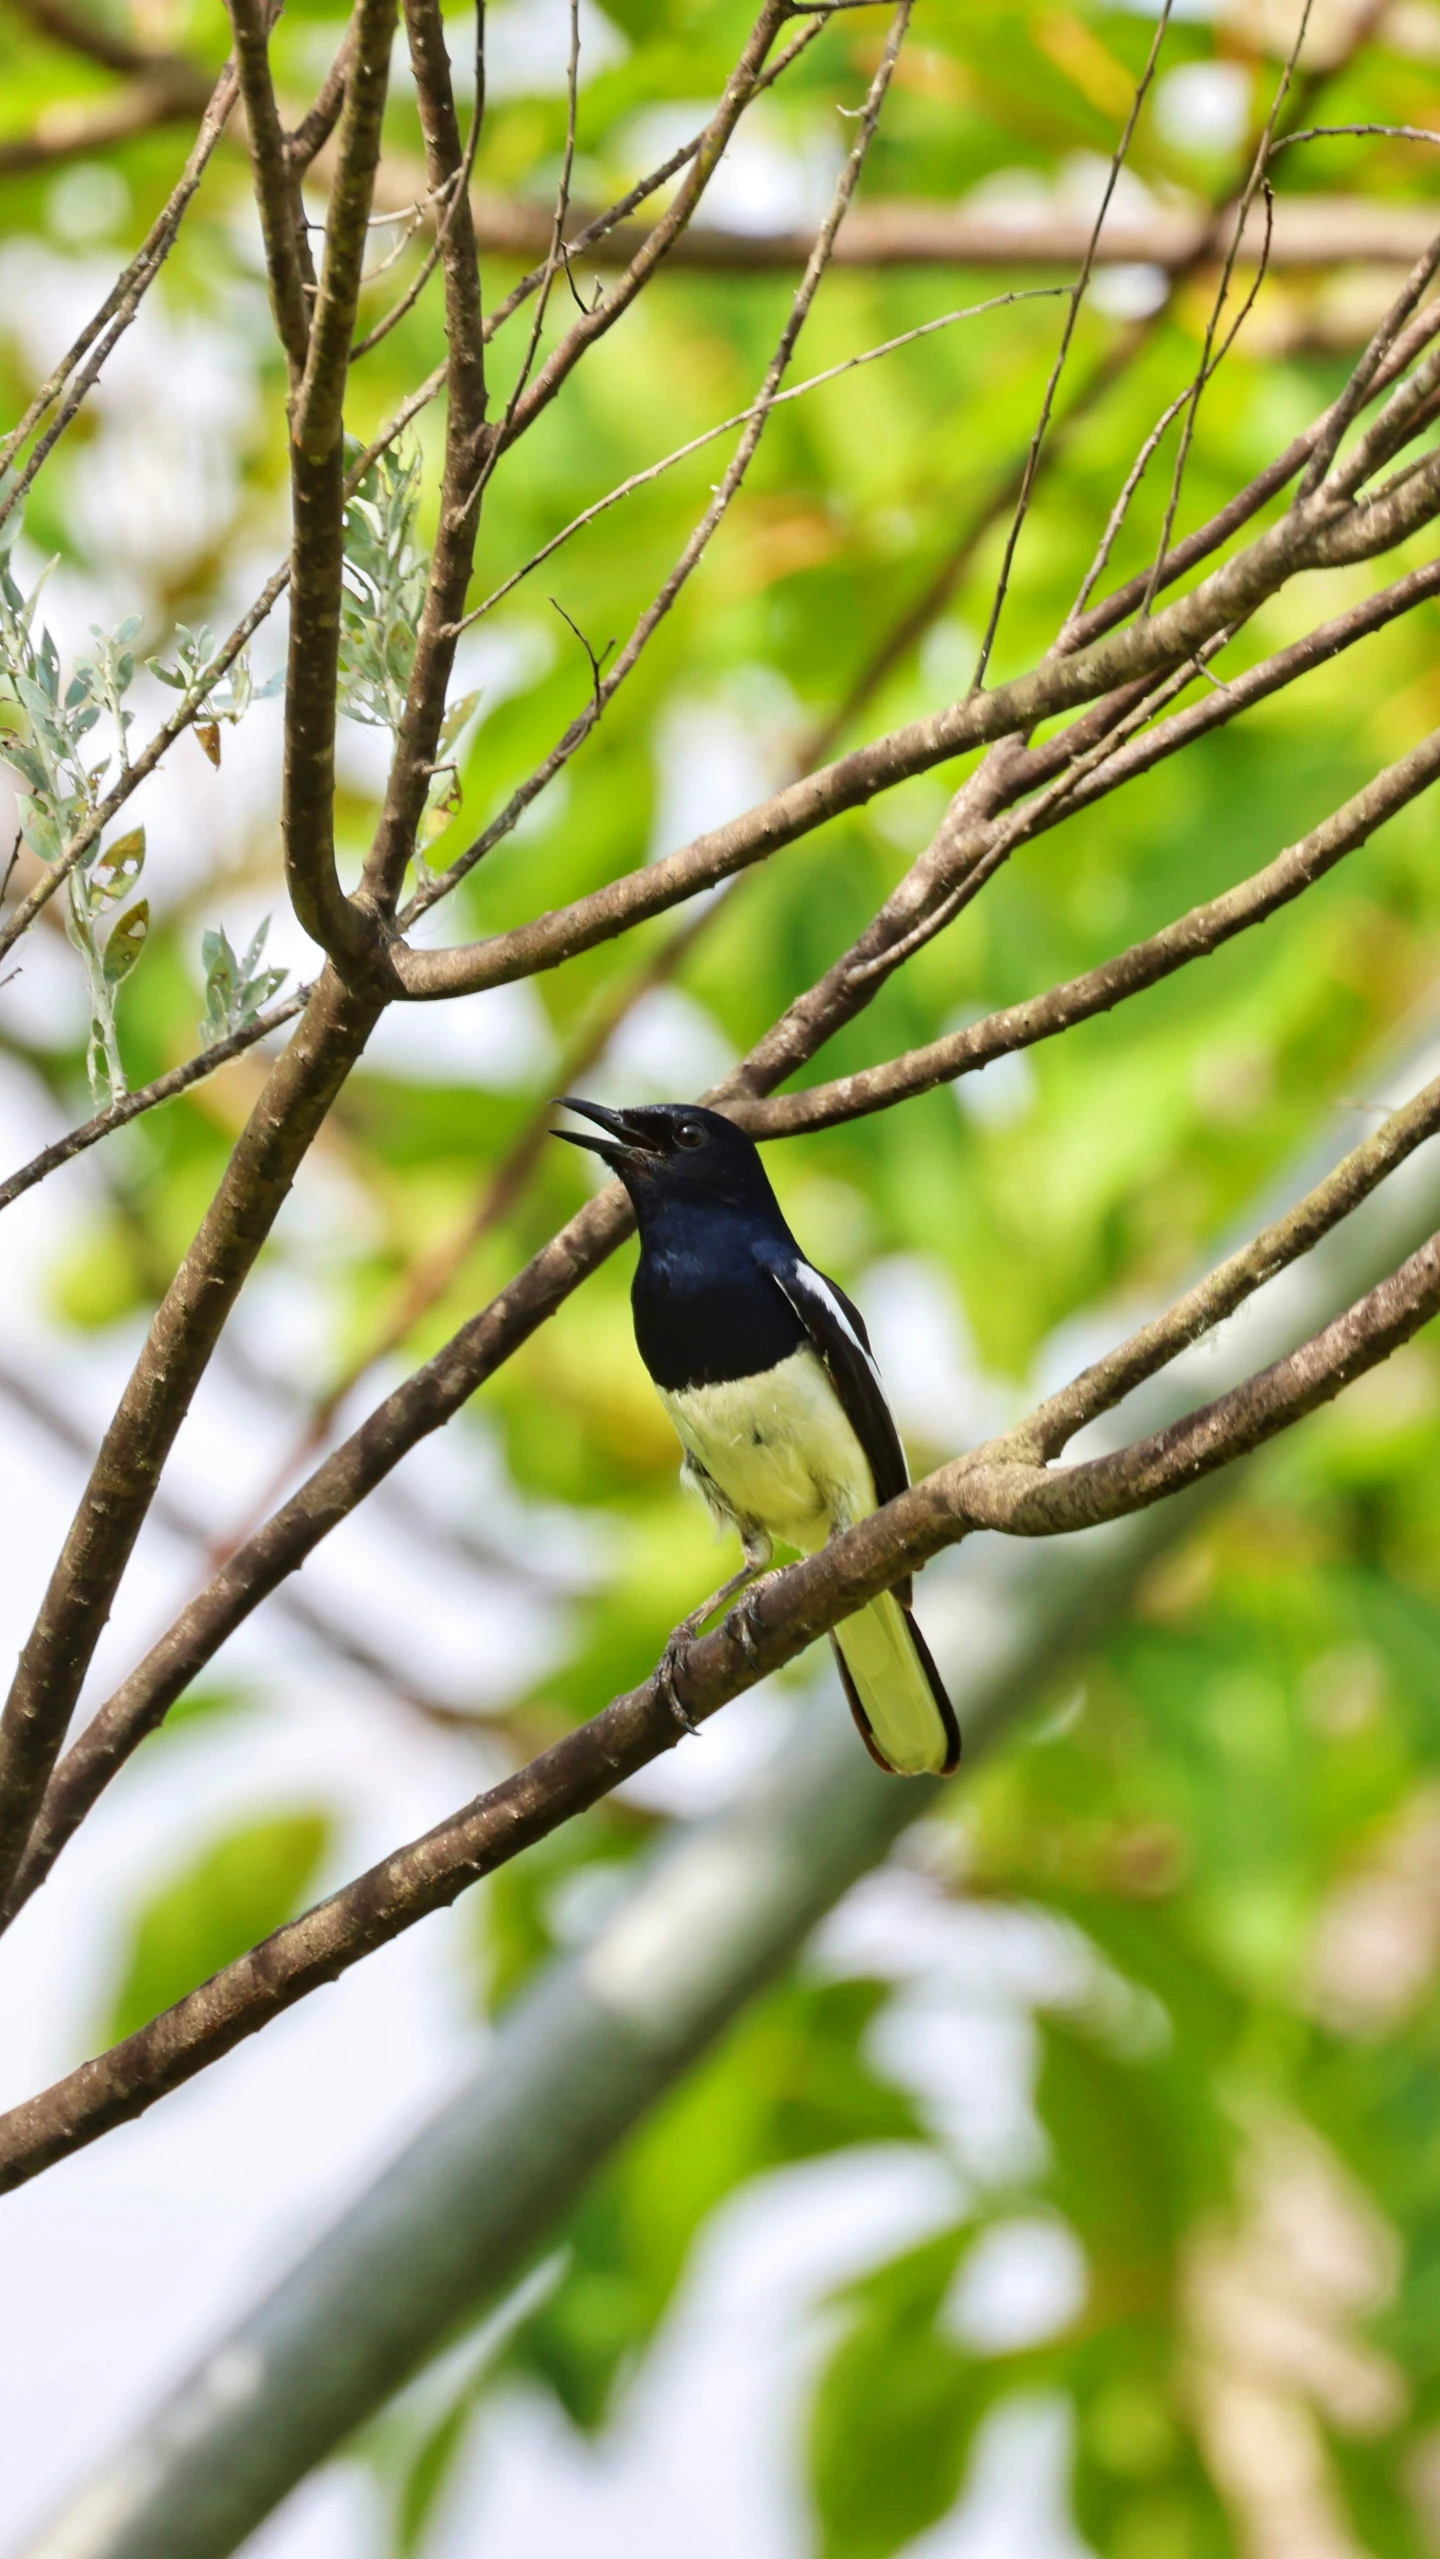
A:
(811, 1284)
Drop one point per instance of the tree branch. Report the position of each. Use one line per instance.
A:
(120, 305)
(277, 185)
(447, 162)
(571, 2067)
(1311, 234)
(994, 1487)
(147, 1097)
(403, 959)
(314, 129)
(168, 94)
(1322, 533)
(657, 244)
(296, 1099)
(1191, 937)
(334, 1635)
(338, 923)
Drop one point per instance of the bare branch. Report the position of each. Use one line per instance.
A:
(120, 305)
(277, 184)
(742, 417)
(296, 1099)
(334, 1635)
(1320, 533)
(1191, 937)
(409, 966)
(317, 490)
(1254, 186)
(1078, 291)
(657, 244)
(93, 39)
(991, 1488)
(170, 94)
(1312, 233)
(148, 1097)
(466, 440)
(314, 130)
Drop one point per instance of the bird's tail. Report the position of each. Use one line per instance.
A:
(896, 1693)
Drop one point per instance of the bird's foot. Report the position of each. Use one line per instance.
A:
(747, 1624)
(670, 1663)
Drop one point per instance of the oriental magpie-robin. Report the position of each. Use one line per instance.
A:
(764, 1367)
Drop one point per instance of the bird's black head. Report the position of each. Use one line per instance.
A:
(671, 1153)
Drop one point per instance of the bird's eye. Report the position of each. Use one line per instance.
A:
(689, 1133)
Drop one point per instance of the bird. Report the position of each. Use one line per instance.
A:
(766, 1371)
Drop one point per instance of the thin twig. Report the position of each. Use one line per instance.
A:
(999, 1486)
(117, 310)
(741, 417)
(1253, 185)
(427, 895)
(1327, 132)
(597, 660)
(553, 256)
(1043, 1017)
(1077, 295)
(433, 255)
(132, 1106)
(1142, 460)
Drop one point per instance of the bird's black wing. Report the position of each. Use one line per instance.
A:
(837, 1335)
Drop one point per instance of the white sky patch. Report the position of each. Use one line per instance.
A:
(499, 1041)
(716, 758)
(1017, 2492)
(766, 181)
(1204, 106)
(1129, 292)
(1022, 2281)
(707, 2455)
(668, 1049)
(527, 48)
(926, 1354)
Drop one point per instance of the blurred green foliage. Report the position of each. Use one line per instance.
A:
(221, 1902)
(1241, 1788)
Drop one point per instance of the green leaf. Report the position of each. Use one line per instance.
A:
(792, 2082)
(234, 1893)
(126, 943)
(456, 718)
(898, 2408)
(114, 872)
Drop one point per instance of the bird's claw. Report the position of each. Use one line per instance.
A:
(745, 1628)
(665, 1682)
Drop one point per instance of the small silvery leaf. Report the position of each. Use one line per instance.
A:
(39, 829)
(235, 989)
(25, 761)
(256, 950)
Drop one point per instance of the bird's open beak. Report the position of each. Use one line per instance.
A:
(634, 1134)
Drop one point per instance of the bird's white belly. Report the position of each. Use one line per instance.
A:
(778, 1449)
